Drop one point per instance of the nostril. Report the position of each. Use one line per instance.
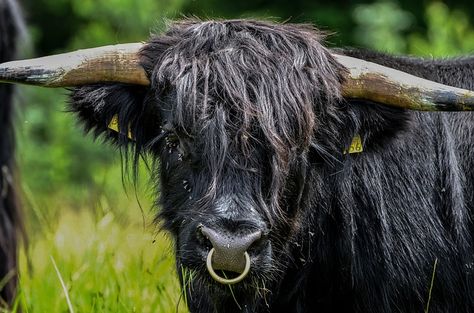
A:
(258, 244)
(202, 239)
(252, 239)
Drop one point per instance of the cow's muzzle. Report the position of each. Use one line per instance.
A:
(230, 253)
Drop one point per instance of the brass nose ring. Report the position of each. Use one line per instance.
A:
(223, 280)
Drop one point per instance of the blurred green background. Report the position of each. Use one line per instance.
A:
(78, 210)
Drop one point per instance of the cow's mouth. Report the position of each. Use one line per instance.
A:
(226, 277)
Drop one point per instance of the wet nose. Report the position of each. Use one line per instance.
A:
(230, 248)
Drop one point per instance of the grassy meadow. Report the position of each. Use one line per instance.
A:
(105, 266)
(107, 261)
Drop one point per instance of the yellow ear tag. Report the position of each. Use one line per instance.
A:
(356, 145)
(114, 125)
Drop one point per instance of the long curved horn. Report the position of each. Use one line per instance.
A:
(374, 82)
(117, 63)
(120, 63)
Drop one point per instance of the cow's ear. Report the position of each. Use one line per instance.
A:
(377, 124)
(115, 111)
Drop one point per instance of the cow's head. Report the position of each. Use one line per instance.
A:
(230, 111)
(229, 115)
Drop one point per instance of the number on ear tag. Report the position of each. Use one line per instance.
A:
(356, 145)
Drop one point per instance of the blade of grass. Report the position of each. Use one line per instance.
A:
(7, 278)
(66, 293)
(232, 293)
(431, 285)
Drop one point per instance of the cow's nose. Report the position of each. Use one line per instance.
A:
(229, 248)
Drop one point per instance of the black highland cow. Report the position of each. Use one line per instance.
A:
(250, 124)
(10, 223)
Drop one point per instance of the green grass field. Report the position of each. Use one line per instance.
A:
(106, 249)
(106, 266)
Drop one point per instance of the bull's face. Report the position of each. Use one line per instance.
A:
(214, 194)
(231, 125)
(213, 189)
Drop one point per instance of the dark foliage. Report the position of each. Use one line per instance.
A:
(247, 124)
(10, 223)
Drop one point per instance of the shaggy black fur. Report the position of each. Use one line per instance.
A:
(10, 222)
(245, 121)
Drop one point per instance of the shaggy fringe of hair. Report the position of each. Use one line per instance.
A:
(223, 89)
(245, 85)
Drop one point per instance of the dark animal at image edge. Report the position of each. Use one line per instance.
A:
(10, 218)
(248, 129)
